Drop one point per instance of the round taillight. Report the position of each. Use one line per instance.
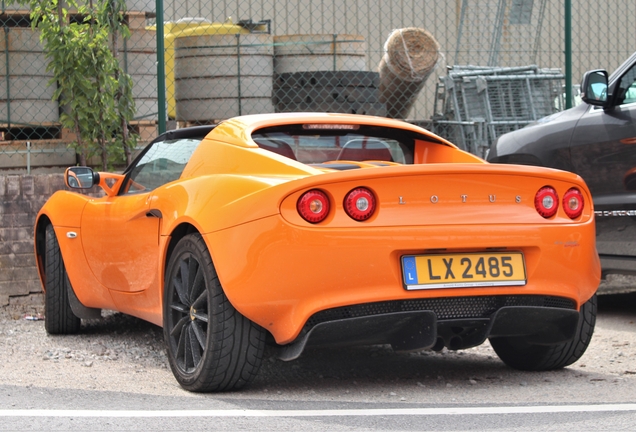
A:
(313, 206)
(573, 203)
(546, 201)
(360, 204)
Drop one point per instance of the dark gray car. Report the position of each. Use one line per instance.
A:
(596, 140)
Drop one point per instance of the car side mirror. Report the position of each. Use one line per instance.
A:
(594, 87)
(80, 177)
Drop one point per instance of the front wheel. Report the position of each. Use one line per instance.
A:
(211, 346)
(58, 315)
(519, 354)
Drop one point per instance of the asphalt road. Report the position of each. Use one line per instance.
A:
(113, 376)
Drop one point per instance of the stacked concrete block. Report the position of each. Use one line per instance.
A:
(25, 94)
(319, 52)
(31, 135)
(223, 75)
(21, 197)
(138, 58)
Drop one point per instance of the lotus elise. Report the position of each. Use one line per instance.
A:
(299, 230)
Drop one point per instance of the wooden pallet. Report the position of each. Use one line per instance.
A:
(136, 20)
(15, 18)
(46, 132)
(146, 130)
(35, 154)
(19, 132)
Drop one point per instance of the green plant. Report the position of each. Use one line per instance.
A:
(95, 93)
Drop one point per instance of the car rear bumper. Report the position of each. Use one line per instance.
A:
(279, 275)
(454, 323)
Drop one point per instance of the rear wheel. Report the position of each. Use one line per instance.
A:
(58, 315)
(519, 354)
(211, 346)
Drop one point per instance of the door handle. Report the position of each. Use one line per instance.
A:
(154, 213)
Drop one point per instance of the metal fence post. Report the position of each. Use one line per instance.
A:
(568, 53)
(7, 72)
(238, 71)
(28, 146)
(161, 70)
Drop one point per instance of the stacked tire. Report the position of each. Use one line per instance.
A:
(353, 92)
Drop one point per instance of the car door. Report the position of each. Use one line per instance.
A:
(603, 152)
(120, 234)
(120, 239)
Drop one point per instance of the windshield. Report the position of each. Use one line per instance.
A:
(318, 145)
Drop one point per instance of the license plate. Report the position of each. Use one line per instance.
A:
(463, 270)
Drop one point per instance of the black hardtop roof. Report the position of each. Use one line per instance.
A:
(184, 133)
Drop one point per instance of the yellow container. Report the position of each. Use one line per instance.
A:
(192, 27)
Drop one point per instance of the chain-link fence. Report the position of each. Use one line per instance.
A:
(469, 70)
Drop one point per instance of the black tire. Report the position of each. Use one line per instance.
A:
(58, 316)
(519, 354)
(211, 346)
(326, 79)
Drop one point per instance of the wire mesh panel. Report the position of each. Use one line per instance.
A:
(470, 70)
(32, 135)
(344, 39)
(218, 76)
(29, 114)
(507, 31)
(484, 103)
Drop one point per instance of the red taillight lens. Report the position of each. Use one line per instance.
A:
(313, 206)
(360, 204)
(546, 201)
(573, 203)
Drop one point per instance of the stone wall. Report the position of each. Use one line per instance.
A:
(21, 198)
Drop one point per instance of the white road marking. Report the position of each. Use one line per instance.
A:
(320, 413)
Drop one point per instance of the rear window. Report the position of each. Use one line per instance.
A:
(316, 144)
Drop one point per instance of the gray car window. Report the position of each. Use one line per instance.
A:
(627, 87)
(163, 162)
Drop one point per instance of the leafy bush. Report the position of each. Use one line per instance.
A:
(92, 88)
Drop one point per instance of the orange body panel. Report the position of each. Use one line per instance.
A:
(288, 274)
(286, 269)
(278, 269)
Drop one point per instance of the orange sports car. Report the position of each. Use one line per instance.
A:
(301, 230)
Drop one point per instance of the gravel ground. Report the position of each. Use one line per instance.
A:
(121, 353)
